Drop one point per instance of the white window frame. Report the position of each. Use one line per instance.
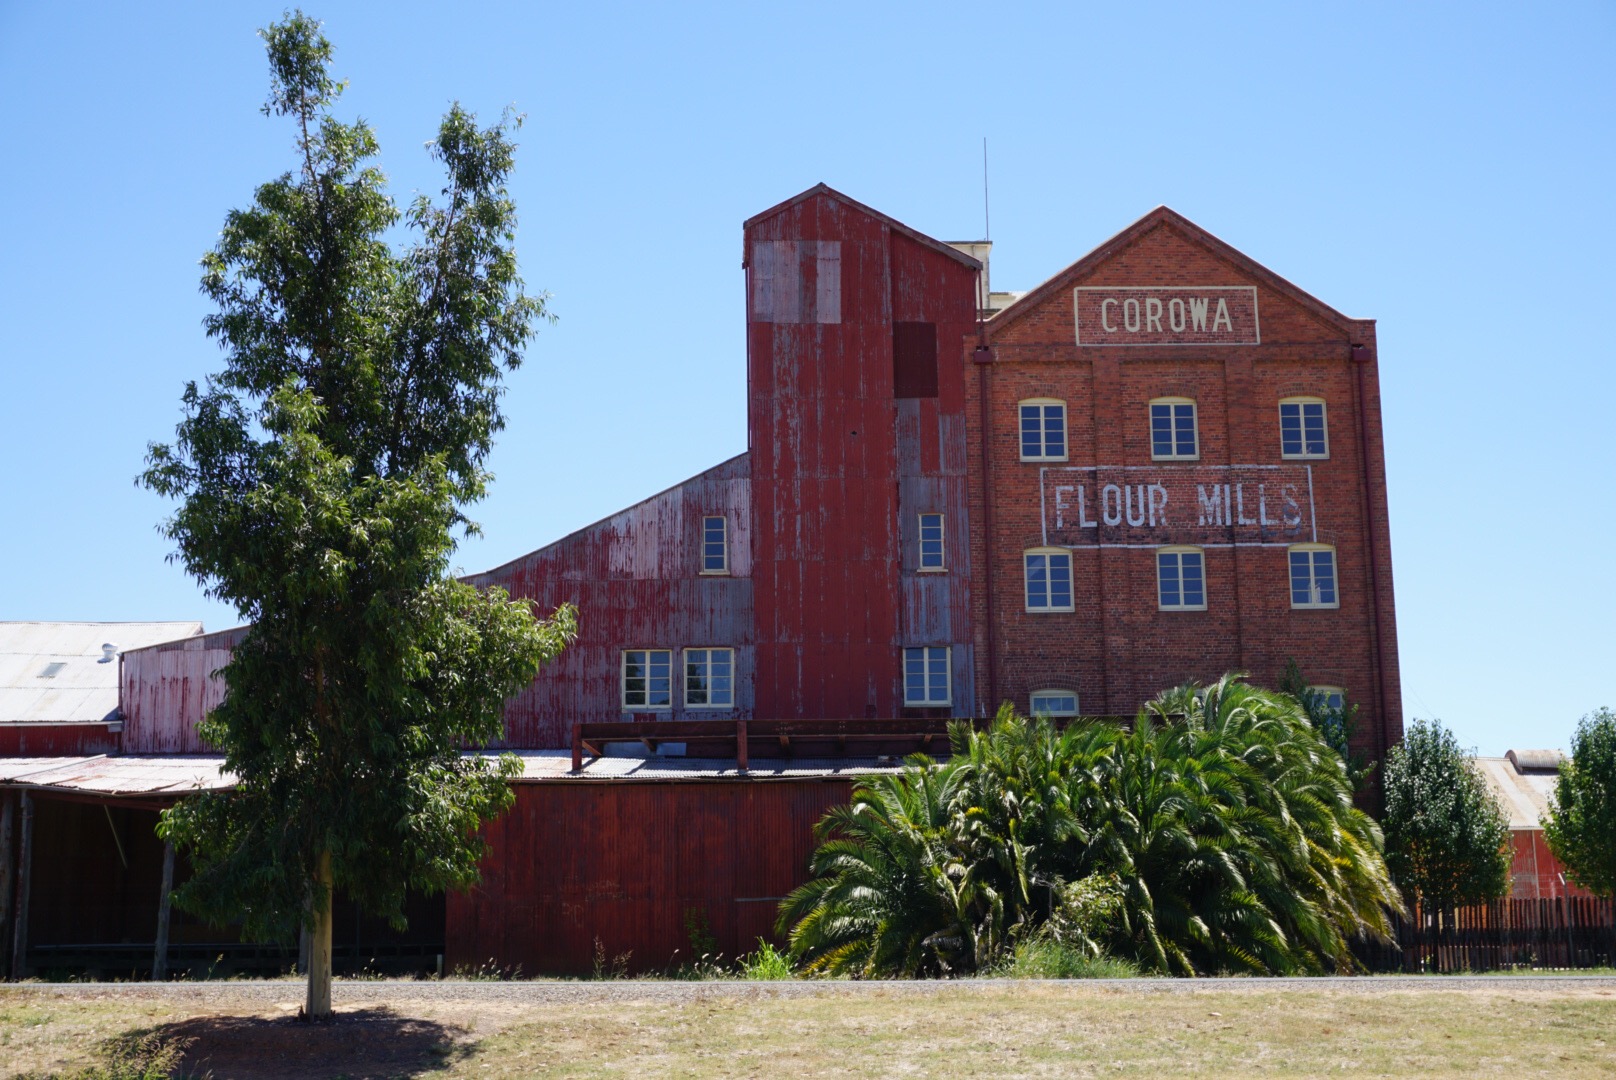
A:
(1034, 710)
(1046, 553)
(1195, 428)
(723, 533)
(1324, 410)
(1043, 405)
(622, 680)
(1179, 550)
(707, 674)
(928, 653)
(941, 566)
(1335, 573)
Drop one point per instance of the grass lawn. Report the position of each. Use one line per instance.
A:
(1013, 1029)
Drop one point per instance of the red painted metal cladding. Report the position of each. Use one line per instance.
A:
(56, 740)
(639, 860)
(167, 689)
(839, 463)
(637, 581)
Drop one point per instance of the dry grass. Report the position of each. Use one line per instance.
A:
(1013, 1030)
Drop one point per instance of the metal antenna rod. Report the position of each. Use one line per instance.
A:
(987, 231)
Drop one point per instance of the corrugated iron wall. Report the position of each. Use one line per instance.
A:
(840, 465)
(636, 579)
(626, 864)
(165, 691)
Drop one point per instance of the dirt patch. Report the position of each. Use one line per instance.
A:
(357, 1043)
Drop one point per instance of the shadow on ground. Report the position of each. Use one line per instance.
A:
(359, 1043)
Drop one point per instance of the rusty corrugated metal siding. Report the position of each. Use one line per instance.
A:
(167, 689)
(636, 579)
(638, 858)
(840, 465)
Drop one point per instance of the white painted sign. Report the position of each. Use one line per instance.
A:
(1152, 505)
(1166, 315)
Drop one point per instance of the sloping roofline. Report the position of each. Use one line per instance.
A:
(898, 226)
(1160, 216)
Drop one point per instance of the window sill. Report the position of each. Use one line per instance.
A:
(1180, 609)
(1046, 460)
(932, 570)
(1176, 457)
(1049, 610)
(1304, 457)
(1317, 607)
(713, 573)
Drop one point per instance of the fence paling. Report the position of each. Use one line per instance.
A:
(1562, 933)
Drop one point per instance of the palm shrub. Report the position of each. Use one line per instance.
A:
(1215, 834)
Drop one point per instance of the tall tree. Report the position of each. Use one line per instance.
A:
(322, 476)
(1581, 827)
(1447, 839)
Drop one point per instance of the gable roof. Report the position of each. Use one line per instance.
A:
(1165, 217)
(897, 226)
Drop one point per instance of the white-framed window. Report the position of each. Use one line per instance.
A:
(714, 545)
(1313, 581)
(1180, 579)
(647, 678)
(1053, 703)
(1048, 573)
(1333, 697)
(1172, 430)
(1043, 429)
(926, 677)
(931, 542)
(1304, 430)
(710, 678)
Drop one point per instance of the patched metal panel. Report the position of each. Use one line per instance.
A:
(637, 581)
(796, 281)
(165, 694)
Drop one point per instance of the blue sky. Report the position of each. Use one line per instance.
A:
(1445, 169)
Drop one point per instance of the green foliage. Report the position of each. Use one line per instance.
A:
(767, 963)
(1335, 724)
(1447, 839)
(320, 477)
(1218, 834)
(1581, 827)
(1042, 958)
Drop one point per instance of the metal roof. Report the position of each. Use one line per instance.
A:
(108, 775)
(124, 775)
(83, 689)
(1525, 796)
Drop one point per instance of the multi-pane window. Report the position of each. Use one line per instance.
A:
(931, 541)
(1303, 432)
(925, 676)
(1043, 430)
(1180, 579)
(647, 678)
(1172, 430)
(1049, 580)
(710, 678)
(1313, 583)
(1054, 703)
(714, 546)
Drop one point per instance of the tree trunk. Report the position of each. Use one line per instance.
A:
(317, 1005)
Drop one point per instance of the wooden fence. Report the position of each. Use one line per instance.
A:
(1563, 934)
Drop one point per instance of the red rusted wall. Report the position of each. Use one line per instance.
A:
(56, 740)
(164, 691)
(826, 279)
(636, 579)
(624, 863)
(1535, 874)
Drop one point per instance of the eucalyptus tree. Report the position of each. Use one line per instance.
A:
(322, 477)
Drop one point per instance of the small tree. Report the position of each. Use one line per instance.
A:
(1447, 839)
(1581, 826)
(321, 475)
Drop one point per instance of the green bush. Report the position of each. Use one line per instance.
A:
(1042, 958)
(766, 964)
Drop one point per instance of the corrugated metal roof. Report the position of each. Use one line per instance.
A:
(1524, 796)
(178, 774)
(108, 775)
(83, 689)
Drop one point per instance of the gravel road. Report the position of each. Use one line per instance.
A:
(352, 994)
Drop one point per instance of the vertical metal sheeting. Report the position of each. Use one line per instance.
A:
(624, 868)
